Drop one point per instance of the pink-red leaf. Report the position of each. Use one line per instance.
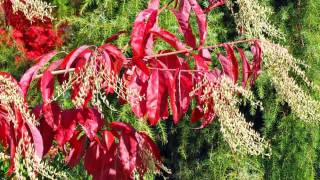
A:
(115, 36)
(47, 86)
(201, 21)
(71, 57)
(257, 61)
(67, 126)
(139, 87)
(155, 95)
(169, 38)
(139, 36)
(128, 147)
(77, 149)
(183, 17)
(214, 4)
(37, 140)
(91, 122)
(32, 72)
(246, 69)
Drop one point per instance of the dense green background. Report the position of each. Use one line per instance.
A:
(203, 154)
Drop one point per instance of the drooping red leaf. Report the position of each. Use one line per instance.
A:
(77, 149)
(196, 114)
(201, 63)
(139, 36)
(234, 61)
(171, 62)
(257, 61)
(151, 145)
(115, 36)
(201, 21)
(214, 4)
(91, 122)
(147, 144)
(117, 55)
(228, 68)
(52, 114)
(156, 92)
(139, 88)
(128, 147)
(108, 138)
(4, 133)
(246, 69)
(169, 38)
(37, 140)
(47, 86)
(122, 127)
(66, 127)
(94, 160)
(47, 136)
(185, 87)
(183, 17)
(13, 147)
(71, 57)
(32, 72)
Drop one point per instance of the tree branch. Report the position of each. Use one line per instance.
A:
(163, 55)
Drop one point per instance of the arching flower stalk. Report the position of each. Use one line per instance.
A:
(252, 19)
(278, 63)
(222, 96)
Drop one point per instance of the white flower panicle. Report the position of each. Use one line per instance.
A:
(33, 9)
(278, 63)
(236, 131)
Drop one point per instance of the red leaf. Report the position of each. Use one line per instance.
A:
(147, 144)
(37, 140)
(196, 114)
(201, 21)
(94, 160)
(155, 96)
(52, 114)
(77, 149)
(114, 36)
(47, 86)
(108, 138)
(169, 38)
(183, 17)
(201, 63)
(67, 126)
(257, 61)
(13, 146)
(246, 70)
(122, 127)
(138, 86)
(71, 57)
(47, 136)
(151, 146)
(128, 147)
(32, 72)
(139, 36)
(4, 133)
(230, 64)
(117, 55)
(91, 122)
(233, 60)
(214, 4)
